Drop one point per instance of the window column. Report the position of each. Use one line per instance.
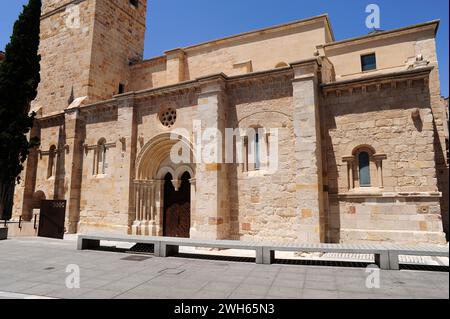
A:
(379, 158)
(350, 160)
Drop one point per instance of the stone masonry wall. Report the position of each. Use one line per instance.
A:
(263, 204)
(383, 120)
(251, 53)
(98, 208)
(118, 38)
(61, 76)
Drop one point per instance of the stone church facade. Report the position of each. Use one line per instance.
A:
(361, 131)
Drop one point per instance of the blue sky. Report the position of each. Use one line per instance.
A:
(178, 23)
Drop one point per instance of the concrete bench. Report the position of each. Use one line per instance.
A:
(93, 241)
(386, 256)
(428, 251)
(170, 246)
(167, 246)
(381, 253)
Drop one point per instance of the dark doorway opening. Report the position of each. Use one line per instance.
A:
(52, 217)
(177, 207)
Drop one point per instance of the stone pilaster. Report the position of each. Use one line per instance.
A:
(308, 152)
(211, 215)
(175, 66)
(30, 176)
(73, 164)
(124, 169)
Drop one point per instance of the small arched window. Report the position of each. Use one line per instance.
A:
(281, 65)
(51, 162)
(101, 163)
(257, 152)
(364, 169)
(256, 149)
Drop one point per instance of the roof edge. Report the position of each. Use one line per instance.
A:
(371, 36)
(263, 30)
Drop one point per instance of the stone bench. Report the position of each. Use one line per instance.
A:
(380, 252)
(386, 256)
(167, 246)
(170, 246)
(93, 241)
(395, 251)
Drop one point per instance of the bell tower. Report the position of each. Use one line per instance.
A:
(86, 48)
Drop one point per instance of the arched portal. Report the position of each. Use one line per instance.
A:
(164, 188)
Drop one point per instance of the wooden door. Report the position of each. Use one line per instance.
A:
(177, 208)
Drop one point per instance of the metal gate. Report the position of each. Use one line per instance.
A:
(52, 218)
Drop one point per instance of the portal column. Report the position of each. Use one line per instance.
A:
(152, 228)
(135, 228)
(193, 230)
(158, 229)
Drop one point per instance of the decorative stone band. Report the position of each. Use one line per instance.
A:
(65, 148)
(88, 148)
(380, 194)
(361, 85)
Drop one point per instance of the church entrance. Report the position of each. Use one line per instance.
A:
(165, 192)
(177, 207)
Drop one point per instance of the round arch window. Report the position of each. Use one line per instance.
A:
(168, 117)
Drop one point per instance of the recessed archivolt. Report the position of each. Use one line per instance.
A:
(163, 171)
(181, 170)
(363, 143)
(363, 148)
(155, 152)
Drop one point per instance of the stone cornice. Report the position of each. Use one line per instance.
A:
(183, 88)
(99, 107)
(178, 88)
(53, 119)
(259, 77)
(377, 80)
(196, 84)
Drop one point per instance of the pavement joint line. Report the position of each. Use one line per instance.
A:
(141, 284)
(271, 284)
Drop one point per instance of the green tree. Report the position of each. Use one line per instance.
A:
(19, 78)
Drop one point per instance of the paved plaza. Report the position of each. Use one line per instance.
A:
(34, 268)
